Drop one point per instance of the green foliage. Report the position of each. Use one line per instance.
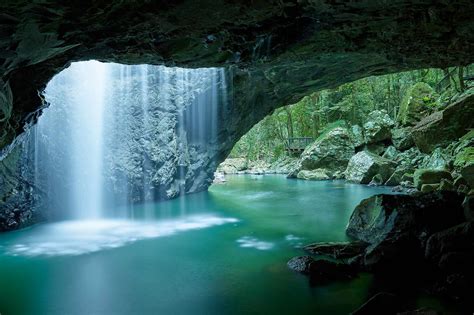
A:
(346, 105)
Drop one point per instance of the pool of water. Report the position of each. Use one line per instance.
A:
(218, 252)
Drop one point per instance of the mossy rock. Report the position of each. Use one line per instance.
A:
(464, 157)
(419, 101)
(428, 176)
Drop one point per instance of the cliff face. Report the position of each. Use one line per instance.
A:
(277, 51)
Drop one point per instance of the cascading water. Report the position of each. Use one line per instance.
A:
(115, 136)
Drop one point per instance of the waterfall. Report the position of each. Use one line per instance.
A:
(117, 136)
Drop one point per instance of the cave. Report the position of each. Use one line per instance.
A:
(122, 122)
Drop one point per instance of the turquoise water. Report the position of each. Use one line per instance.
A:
(217, 252)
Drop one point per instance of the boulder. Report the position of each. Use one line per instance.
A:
(419, 101)
(442, 127)
(402, 139)
(331, 152)
(390, 153)
(399, 175)
(317, 174)
(321, 271)
(364, 165)
(428, 176)
(337, 250)
(438, 160)
(446, 185)
(377, 180)
(395, 225)
(378, 127)
(429, 187)
(232, 166)
(357, 135)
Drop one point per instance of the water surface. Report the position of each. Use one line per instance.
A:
(217, 252)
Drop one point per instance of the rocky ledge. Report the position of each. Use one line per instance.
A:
(411, 243)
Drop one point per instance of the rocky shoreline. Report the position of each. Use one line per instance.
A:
(428, 148)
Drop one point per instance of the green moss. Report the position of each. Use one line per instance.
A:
(419, 101)
(465, 157)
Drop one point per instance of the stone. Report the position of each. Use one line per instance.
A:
(442, 127)
(357, 135)
(337, 250)
(364, 165)
(219, 178)
(397, 225)
(321, 271)
(390, 153)
(399, 175)
(301, 264)
(429, 187)
(378, 127)
(232, 166)
(377, 180)
(375, 148)
(419, 102)
(331, 152)
(438, 160)
(317, 174)
(427, 176)
(446, 185)
(402, 139)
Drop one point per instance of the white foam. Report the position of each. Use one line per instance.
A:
(71, 238)
(252, 242)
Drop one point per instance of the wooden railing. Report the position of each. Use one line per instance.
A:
(298, 144)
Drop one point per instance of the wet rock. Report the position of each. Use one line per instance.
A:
(378, 127)
(364, 165)
(331, 152)
(317, 174)
(337, 250)
(419, 102)
(428, 176)
(395, 225)
(442, 127)
(377, 180)
(301, 264)
(402, 139)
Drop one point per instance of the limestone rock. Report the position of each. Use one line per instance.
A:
(364, 166)
(427, 176)
(390, 153)
(420, 101)
(378, 126)
(442, 127)
(402, 138)
(233, 165)
(438, 160)
(317, 174)
(331, 152)
(357, 135)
